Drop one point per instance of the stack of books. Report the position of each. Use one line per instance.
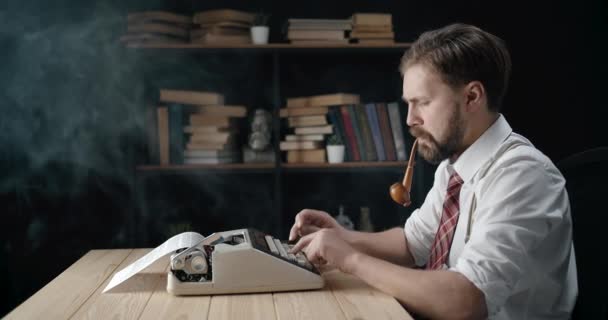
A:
(373, 28)
(196, 127)
(318, 31)
(307, 119)
(223, 26)
(156, 27)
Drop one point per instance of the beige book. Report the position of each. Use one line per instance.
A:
(300, 145)
(208, 129)
(306, 156)
(232, 24)
(332, 99)
(365, 28)
(208, 145)
(315, 34)
(307, 121)
(219, 110)
(305, 111)
(157, 27)
(210, 160)
(372, 19)
(372, 35)
(223, 15)
(298, 102)
(162, 118)
(216, 121)
(211, 153)
(222, 39)
(211, 137)
(314, 130)
(319, 43)
(191, 97)
(325, 24)
(305, 137)
(158, 16)
(200, 32)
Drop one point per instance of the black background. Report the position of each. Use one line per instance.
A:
(72, 102)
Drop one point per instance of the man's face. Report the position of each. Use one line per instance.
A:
(435, 114)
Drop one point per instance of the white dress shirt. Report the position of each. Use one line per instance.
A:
(513, 239)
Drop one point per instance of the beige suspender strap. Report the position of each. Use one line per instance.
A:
(470, 222)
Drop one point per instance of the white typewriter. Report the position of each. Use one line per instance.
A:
(239, 261)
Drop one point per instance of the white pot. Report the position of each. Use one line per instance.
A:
(259, 34)
(335, 154)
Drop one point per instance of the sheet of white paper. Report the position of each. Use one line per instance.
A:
(182, 240)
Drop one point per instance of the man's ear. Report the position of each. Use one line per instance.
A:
(474, 96)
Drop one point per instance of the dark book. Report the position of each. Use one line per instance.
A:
(176, 133)
(336, 119)
(366, 133)
(151, 129)
(385, 129)
(372, 118)
(162, 117)
(357, 132)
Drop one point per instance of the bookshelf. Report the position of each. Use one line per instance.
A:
(270, 46)
(271, 166)
(279, 175)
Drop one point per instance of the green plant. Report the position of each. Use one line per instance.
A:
(334, 140)
(261, 19)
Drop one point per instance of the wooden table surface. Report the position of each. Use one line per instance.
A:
(76, 293)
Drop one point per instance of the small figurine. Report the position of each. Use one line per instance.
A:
(259, 147)
(261, 126)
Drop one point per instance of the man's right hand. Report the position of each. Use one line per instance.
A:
(309, 221)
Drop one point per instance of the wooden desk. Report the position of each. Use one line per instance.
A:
(76, 293)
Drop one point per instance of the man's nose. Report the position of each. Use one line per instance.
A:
(412, 117)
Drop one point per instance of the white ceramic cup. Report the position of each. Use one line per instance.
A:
(259, 34)
(335, 154)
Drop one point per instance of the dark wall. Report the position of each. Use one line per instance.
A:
(72, 101)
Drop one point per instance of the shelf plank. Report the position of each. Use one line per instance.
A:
(270, 166)
(270, 46)
(351, 164)
(228, 166)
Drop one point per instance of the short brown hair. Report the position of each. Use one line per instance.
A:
(463, 53)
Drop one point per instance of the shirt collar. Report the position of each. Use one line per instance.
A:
(481, 150)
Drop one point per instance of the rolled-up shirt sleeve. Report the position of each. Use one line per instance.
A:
(517, 206)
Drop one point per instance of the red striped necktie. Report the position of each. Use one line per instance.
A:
(449, 219)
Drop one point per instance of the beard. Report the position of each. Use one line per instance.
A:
(435, 151)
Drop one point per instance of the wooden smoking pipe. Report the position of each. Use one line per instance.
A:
(400, 192)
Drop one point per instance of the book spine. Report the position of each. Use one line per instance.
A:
(366, 134)
(395, 117)
(357, 131)
(372, 118)
(336, 120)
(151, 128)
(176, 134)
(162, 117)
(385, 129)
(350, 134)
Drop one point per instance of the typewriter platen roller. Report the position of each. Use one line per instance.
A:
(239, 261)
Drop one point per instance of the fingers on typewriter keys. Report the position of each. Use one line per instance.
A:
(320, 261)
